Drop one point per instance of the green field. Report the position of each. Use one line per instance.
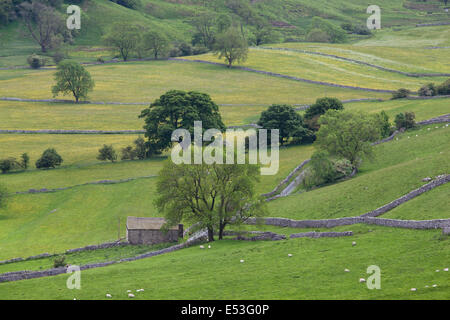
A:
(146, 81)
(94, 196)
(319, 68)
(315, 271)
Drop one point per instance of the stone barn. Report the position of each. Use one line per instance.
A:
(148, 231)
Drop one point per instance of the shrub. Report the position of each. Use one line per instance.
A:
(401, 93)
(58, 57)
(382, 121)
(405, 120)
(130, 4)
(319, 108)
(334, 33)
(128, 153)
(8, 164)
(174, 52)
(59, 261)
(49, 159)
(362, 30)
(25, 160)
(100, 60)
(36, 61)
(444, 88)
(428, 90)
(199, 50)
(107, 153)
(140, 148)
(317, 35)
(325, 169)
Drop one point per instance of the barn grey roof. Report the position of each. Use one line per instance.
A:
(136, 223)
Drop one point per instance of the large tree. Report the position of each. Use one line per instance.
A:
(73, 78)
(213, 196)
(231, 46)
(178, 109)
(204, 24)
(123, 37)
(44, 24)
(287, 120)
(321, 106)
(156, 43)
(347, 134)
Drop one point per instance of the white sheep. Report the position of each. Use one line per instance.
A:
(289, 255)
(361, 280)
(446, 269)
(202, 247)
(108, 295)
(130, 295)
(354, 243)
(413, 289)
(346, 270)
(241, 261)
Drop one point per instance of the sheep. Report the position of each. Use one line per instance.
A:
(289, 255)
(130, 295)
(346, 270)
(354, 243)
(241, 261)
(202, 247)
(108, 295)
(413, 289)
(362, 280)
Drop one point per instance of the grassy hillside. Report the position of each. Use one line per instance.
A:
(86, 212)
(146, 81)
(407, 258)
(291, 18)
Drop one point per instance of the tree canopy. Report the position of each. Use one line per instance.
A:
(71, 77)
(347, 134)
(49, 159)
(156, 43)
(213, 196)
(287, 120)
(123, 37)
(231, 46)
(44, 24)
(178, 109)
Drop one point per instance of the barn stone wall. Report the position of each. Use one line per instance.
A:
(151, 236)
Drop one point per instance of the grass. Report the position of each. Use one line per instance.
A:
(71, 218)
(319, 68)
(83, 257)
(146, 81)
(418, 60)
(423, 109)
(315, 271)
(42, 115)
(74, 149)
(92, 207)
(398, 168)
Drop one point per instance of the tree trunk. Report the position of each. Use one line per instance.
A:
(221, 229)
(210, 234)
